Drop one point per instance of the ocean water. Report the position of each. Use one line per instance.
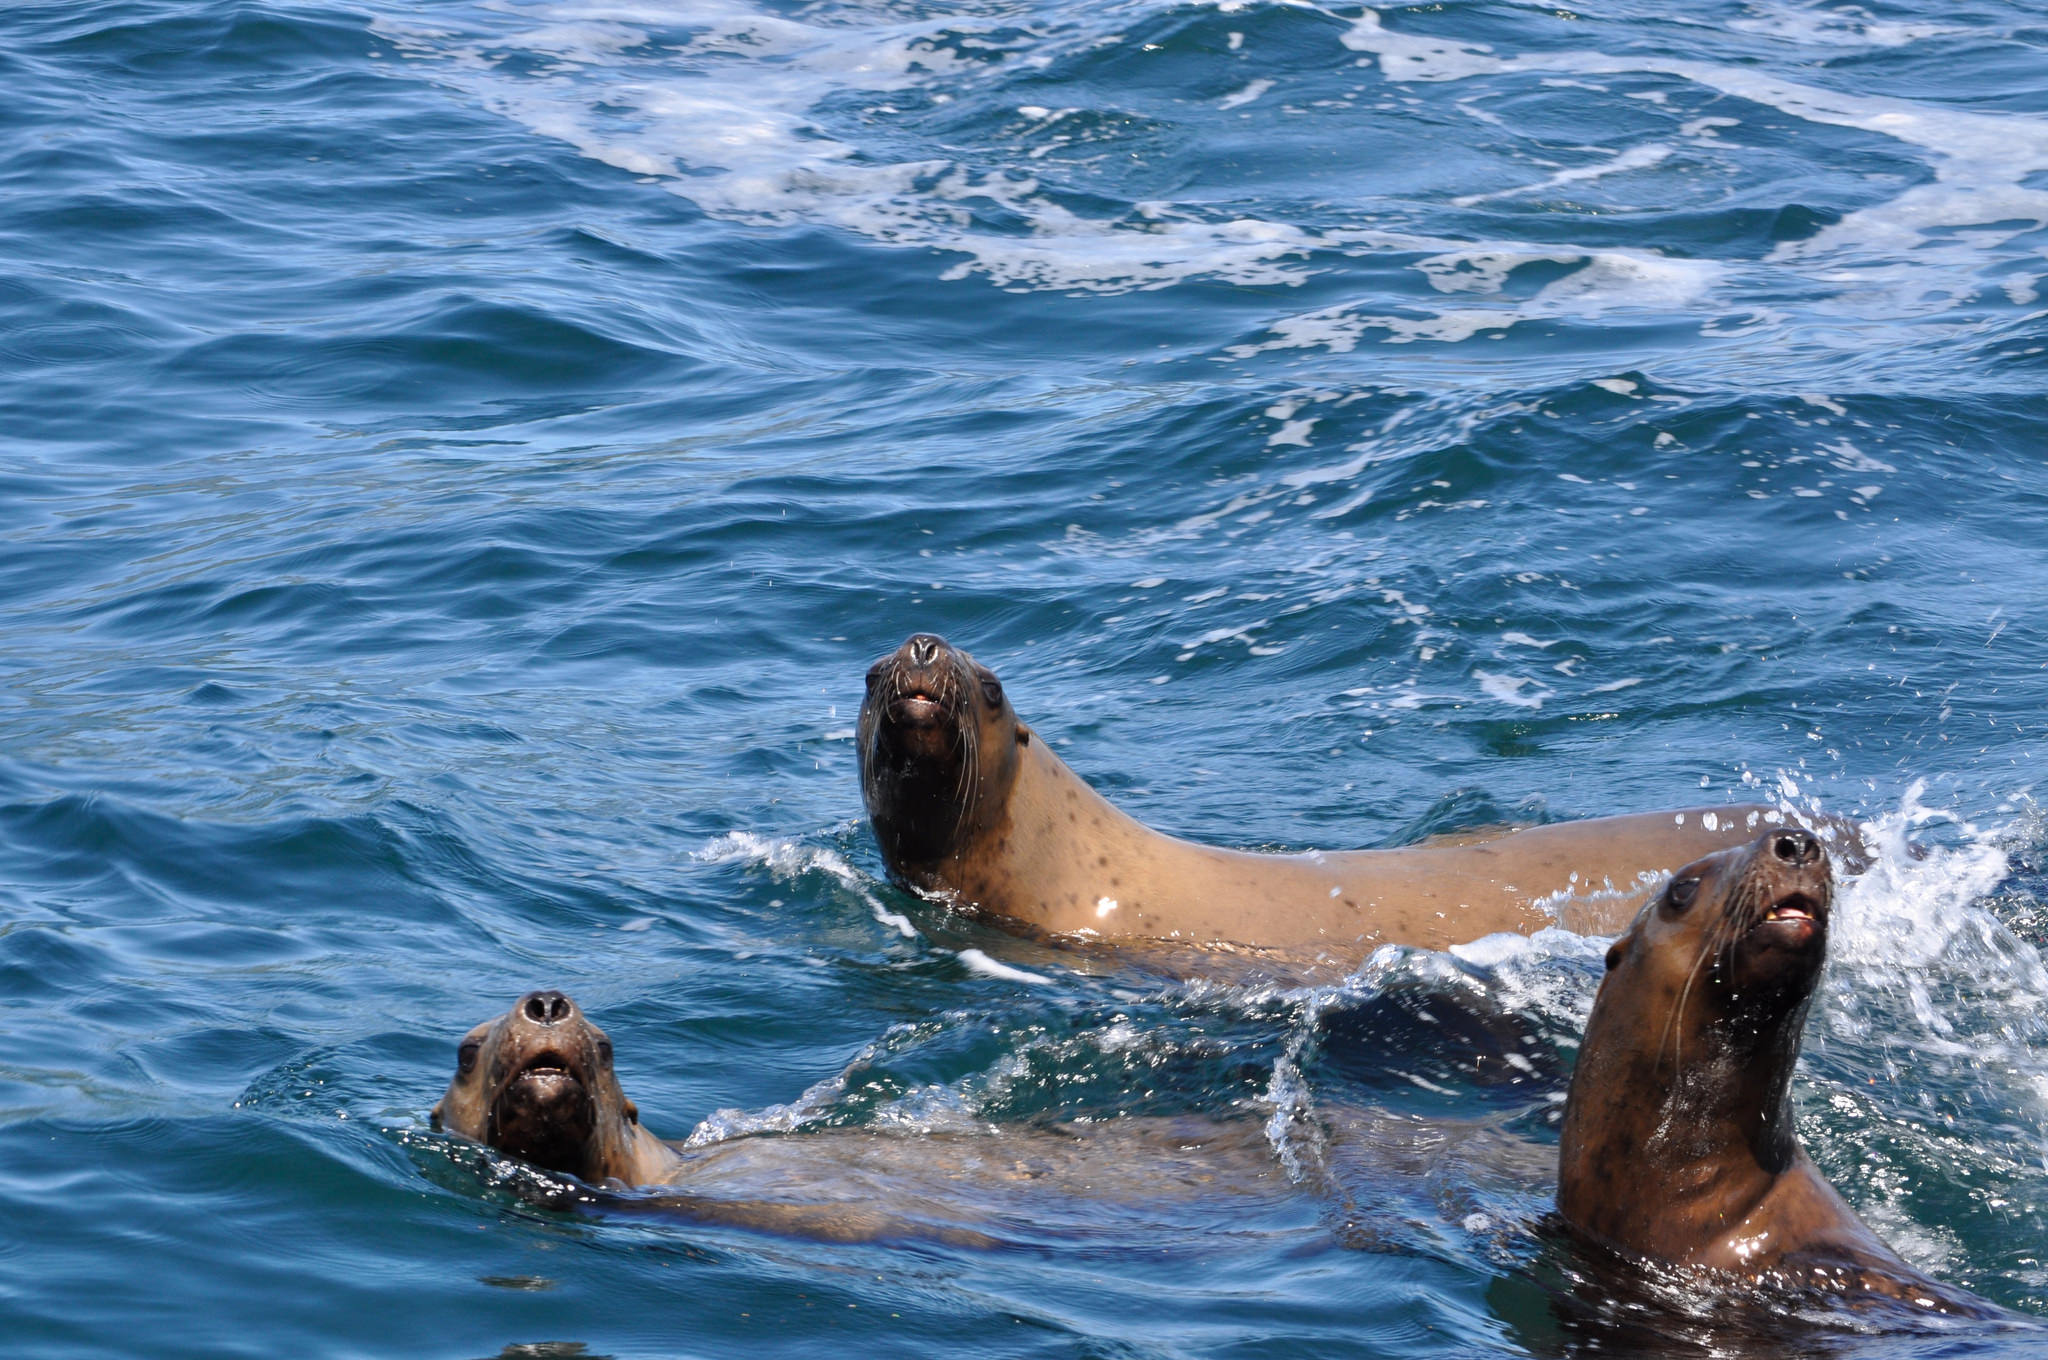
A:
(457, 460)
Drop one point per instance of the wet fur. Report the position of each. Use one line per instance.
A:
(966, 805)
(1681, 1147)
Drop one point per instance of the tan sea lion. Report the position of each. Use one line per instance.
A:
(967, 803)
(538, 1083)
(1678, 1141)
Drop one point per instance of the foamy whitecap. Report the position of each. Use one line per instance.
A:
(807, 1108)
(791, 859)
(720, 101)
(1602, 283)
(1850, 26)
(981, 963)
(1634, 158)
(792, 119)
(1906, 252)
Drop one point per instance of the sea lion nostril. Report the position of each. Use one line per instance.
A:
(924, 648)
(1795, 847)
(546, 1008)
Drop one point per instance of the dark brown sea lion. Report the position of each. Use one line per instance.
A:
(967, 803)
(1678, 1141)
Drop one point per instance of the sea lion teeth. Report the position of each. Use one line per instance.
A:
(965, 805)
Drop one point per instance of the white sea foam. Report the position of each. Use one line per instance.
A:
(1850, 26)
(1904, 248)
(1907, 913)
(728, 119)
(725, 103)
(1248, 94)
(1517, 690)
(1634, 158)
(816, 1100)
(988, 967)
(790, 859)
(1604, 282)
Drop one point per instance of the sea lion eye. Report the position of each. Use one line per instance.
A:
(1680, 894)
(465, 1057)
(992, 690)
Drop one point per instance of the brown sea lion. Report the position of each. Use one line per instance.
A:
(1678, 1141)
(538, 1083)
(967, 803)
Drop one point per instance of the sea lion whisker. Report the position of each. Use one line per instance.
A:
(1677, 1008)
(966, 778)
(1718, 940)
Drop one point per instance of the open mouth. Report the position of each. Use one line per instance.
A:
(543, 1114)
(915, 706)
(1795, 908)
(546, 1071)
(1796, 916)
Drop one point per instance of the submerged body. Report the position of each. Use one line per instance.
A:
(1678, 1142)
(966, 802)
(538, 1083)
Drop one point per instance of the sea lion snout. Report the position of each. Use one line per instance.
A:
(917, 691)
(925, 704)
(920, 652)
(1783, 911)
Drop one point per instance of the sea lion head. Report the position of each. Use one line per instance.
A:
(1732, 946)
(1687, 1060)
(938, 746)
(537, 1084)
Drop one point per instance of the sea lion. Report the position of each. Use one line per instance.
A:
(538, 1083)
(968, 804)
(1678, 1142)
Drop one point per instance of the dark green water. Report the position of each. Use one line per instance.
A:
(457, 461)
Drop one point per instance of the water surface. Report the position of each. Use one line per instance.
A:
(460, 458)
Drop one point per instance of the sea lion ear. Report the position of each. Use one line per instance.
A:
(632, 1112)
(1023, 735)
(1614, 952)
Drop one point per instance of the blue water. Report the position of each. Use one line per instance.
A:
(457, 461)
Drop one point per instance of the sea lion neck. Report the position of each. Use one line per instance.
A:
(1730, 1083)
(1663, 1151)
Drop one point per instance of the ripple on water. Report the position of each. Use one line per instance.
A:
(462, 459)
